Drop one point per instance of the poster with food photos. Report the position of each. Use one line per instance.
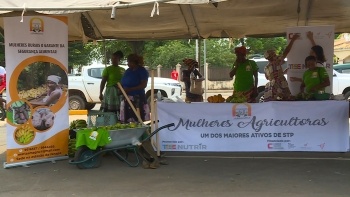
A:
(37, 99)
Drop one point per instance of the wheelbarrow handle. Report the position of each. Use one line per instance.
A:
(154, 122)
(157, 130)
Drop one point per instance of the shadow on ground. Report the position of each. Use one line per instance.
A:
(185, 176)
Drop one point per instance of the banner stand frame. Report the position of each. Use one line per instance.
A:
(26, 163)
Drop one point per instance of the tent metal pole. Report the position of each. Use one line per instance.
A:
(195, 23)
(197, 50)
(205, 68)
(199, 53)
(188, 27)
(2, 31)
(85, 8)
(309, 6)
(105, 52)
(87, 15)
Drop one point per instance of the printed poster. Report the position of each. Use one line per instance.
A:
(37, 104)
(323, 36)
(268, 127)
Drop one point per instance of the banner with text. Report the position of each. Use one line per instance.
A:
(37, 105)
(274, 126)
(323, 36)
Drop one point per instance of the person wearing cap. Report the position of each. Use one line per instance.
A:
(246, 75)
(277, 87)
(186, 78)
(53, 94)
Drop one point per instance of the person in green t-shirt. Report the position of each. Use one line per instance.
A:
(315, 78)
(111, 75)
(246, 72)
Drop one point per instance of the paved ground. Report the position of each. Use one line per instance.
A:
(189, 174)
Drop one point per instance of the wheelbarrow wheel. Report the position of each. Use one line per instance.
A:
(83, 153)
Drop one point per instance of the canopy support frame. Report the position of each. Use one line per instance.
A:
(308, 12)
(2, 31)
(188, 27)
(195, 22)
(87, 15)
(86, 8)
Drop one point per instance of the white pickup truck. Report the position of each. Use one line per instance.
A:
(341, 85)
(84, 89)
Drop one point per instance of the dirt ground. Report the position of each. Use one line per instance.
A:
(189, 174)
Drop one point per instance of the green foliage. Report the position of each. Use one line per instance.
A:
(170, 53)
(35, 75)
(219, 53)
(260, 45)
(78, 55)
(167, 53)
(97, 50)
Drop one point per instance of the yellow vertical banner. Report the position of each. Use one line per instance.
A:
(36, 52)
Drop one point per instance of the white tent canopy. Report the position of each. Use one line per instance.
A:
(184, 19)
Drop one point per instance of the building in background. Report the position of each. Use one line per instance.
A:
(342, 48)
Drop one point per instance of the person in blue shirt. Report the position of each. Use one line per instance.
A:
(134, 82)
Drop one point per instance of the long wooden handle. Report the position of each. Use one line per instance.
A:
(130, 103)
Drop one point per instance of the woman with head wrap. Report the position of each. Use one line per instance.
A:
(277, 87)
(53, 94)
(186, 78)
(246, 75)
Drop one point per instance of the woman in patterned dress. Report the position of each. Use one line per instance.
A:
(277, 87)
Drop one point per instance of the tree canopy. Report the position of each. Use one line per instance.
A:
(168, 53)
(220, 52)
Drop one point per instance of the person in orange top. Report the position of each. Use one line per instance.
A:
(174, 74)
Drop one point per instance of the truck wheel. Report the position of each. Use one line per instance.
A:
(76, 102)
(90, 106)
(260, 97)
(347, 96)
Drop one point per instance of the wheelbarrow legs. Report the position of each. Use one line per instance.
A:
(115, 153)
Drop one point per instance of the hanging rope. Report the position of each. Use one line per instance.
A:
(298, 11)
(155, 7)
(24, 10)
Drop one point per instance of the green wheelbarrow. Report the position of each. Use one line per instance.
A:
(122, 139)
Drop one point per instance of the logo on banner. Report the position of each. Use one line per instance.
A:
(184, 147)
(241, 111)
(291, 146)
(275, 146)
(296, 66)
(329, 34)
(306, 147)
(36, 25)
(322, 145)
(318, 35)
